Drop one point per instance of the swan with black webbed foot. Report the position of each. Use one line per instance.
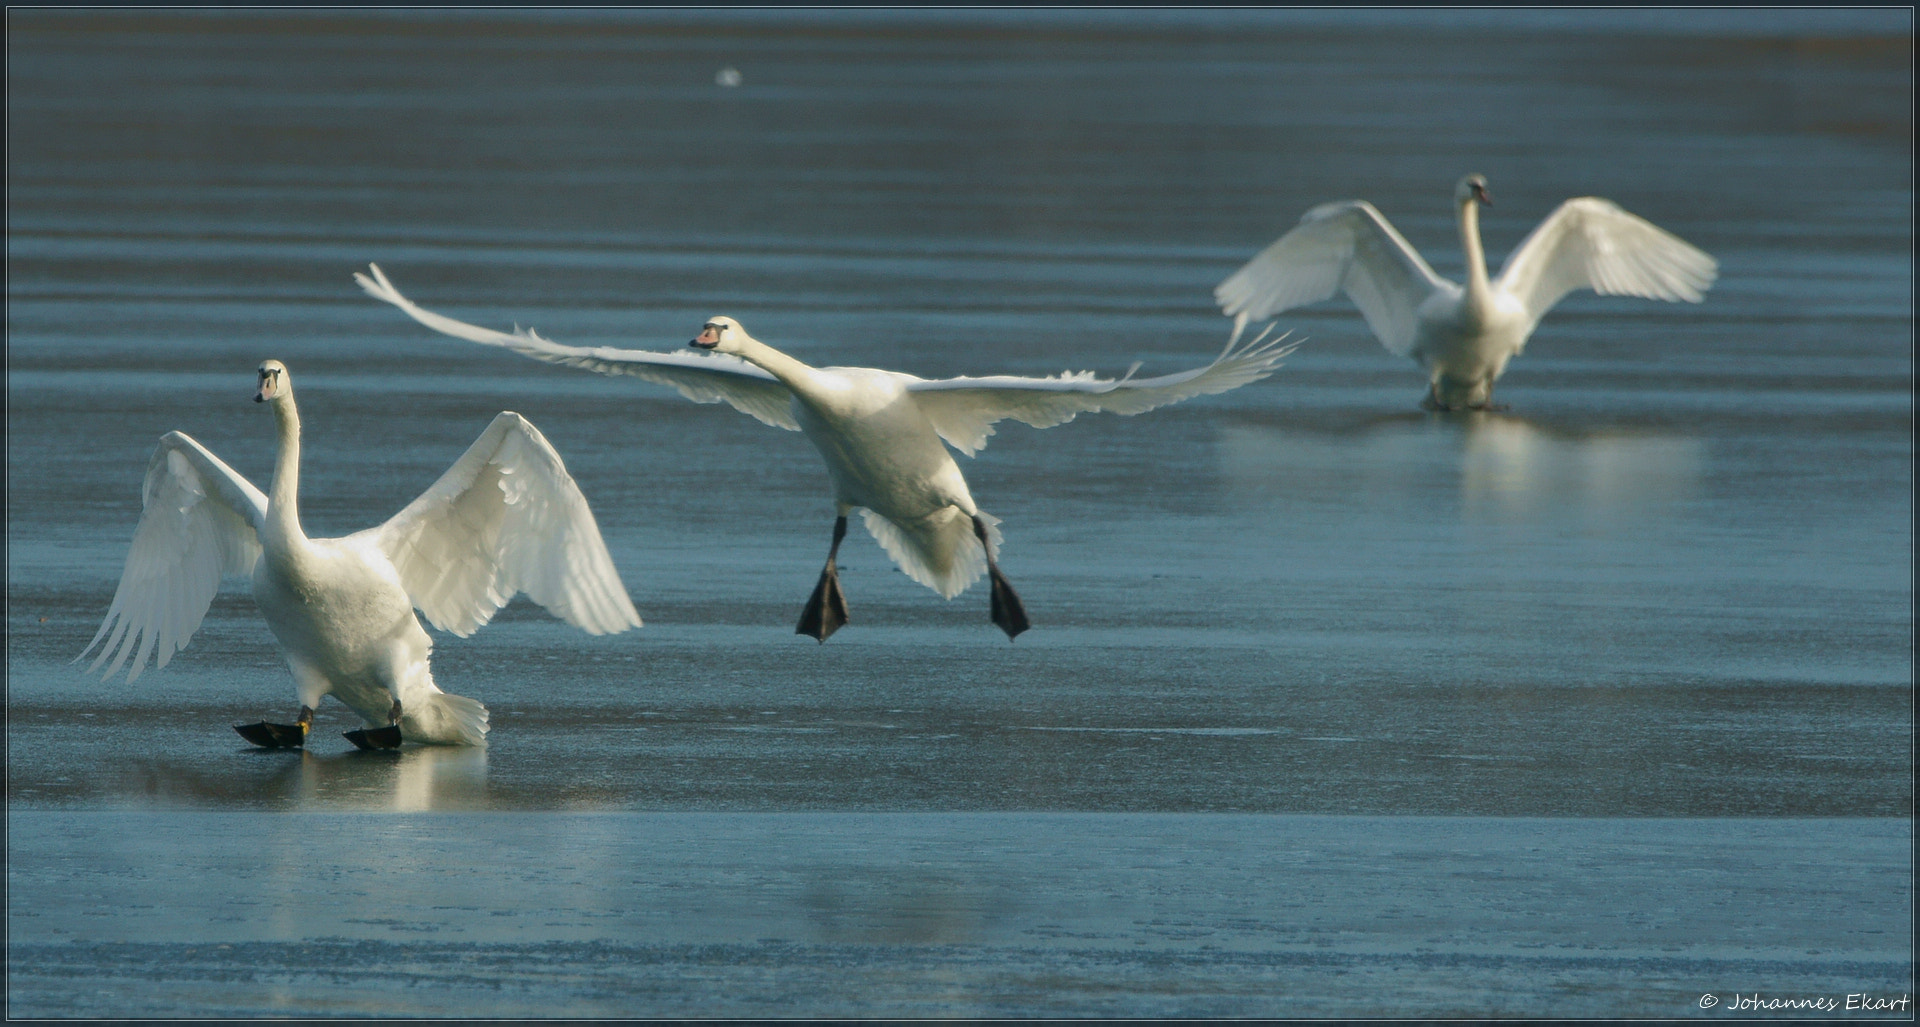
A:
(882, 434)
(505, 518)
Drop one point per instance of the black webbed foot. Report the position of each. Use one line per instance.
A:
(376, 737)
(273, 736)
(826, 610)
(279, 736)
(1008, 613)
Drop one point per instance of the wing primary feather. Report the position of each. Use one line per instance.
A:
(700, 377)
(506, 518)
(1591, 243)
(1345, 246)
(198, 524)
(964, 410)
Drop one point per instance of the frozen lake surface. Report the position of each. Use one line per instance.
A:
(943, 915)
(1589, 706)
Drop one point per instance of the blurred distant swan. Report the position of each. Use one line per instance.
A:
(505, 518)
(1463, 337)
(880, 433)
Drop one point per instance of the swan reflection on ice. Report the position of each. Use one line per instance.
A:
(413, 779)
(416, 779)
(1509, 468)
(1498, 467)
(423, 779)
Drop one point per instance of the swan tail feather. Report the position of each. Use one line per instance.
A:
(939, 550)
(439, 718)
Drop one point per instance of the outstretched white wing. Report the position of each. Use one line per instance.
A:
(963, 410)
(701, 377)
(199, 522)
(505, 518)
(1339, 246)
(1590, 243)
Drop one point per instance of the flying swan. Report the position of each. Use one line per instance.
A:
(880, 434)
(505, 518)
(1463, 337)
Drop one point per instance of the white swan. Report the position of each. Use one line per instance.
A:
(505, 518)
(1463, 337)
(880, 433)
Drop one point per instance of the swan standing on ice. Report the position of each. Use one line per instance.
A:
(880, 433)
(505, 518)
(1463, 337)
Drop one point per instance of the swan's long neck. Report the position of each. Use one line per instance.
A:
(795, 375)
(1479, 289)
(283, 497)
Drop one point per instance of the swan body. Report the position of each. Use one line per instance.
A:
(883, 456)
(1463, 335)
(880, 433)
(505, 518)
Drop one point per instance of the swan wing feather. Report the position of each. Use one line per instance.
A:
(701, 377)
(505, 518)
(1590, 243)
(200, 522)
(1342, 246)
(964, 410)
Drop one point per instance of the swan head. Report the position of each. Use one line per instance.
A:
(1472, 189)
(274, 382)
(721, 334)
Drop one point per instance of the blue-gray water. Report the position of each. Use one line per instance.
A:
(1590, 706)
